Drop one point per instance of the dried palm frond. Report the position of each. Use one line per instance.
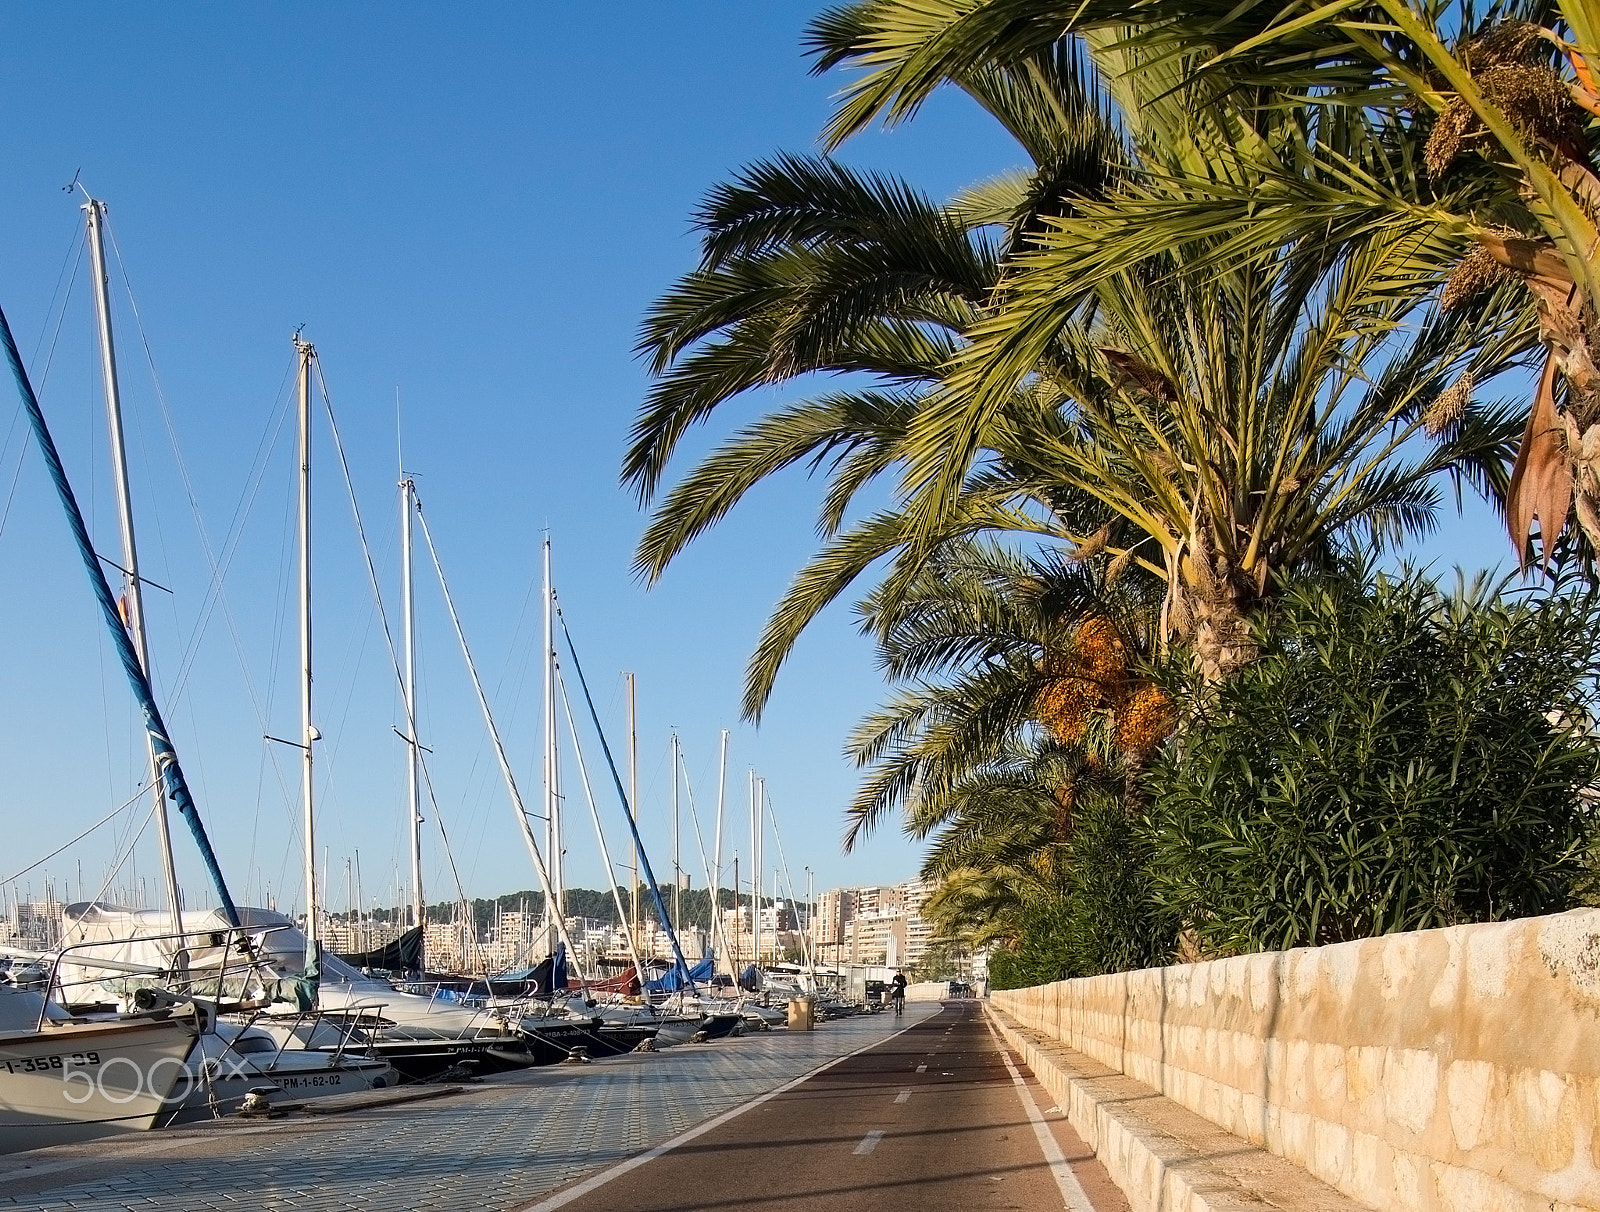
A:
(1164, 463)
(1541, 479)
(1178, 616)
(1135, 371)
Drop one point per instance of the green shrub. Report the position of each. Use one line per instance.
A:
(1114, 922)
(1040, 953)
(1395, 760)
(1108, 920)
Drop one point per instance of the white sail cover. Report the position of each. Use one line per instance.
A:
(110, 950)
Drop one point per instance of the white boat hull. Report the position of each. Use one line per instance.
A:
(76, 1081)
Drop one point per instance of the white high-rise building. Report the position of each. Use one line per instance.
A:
(879, 925)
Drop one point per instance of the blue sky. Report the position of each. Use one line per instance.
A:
(471, 210)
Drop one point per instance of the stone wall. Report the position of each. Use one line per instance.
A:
(1440, 1071)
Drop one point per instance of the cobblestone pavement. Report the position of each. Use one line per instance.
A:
(497, 1145)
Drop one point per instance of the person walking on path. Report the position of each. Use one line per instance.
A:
(897, 993)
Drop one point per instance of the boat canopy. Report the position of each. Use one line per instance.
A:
(404, 954)
(117, 949)
(673, 979)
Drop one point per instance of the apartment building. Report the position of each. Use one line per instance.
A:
(878, 926)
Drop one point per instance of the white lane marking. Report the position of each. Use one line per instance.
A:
(869, 1142)
(564, 1198)
(922, 1068)
(903, 1096)
(1073, 1196)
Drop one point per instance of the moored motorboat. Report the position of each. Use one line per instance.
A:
(65, 1079)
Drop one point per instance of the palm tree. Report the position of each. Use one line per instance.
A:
(997, 653)
(1210, 435)
(1473, 132)
(809, 268)
(1066, 885)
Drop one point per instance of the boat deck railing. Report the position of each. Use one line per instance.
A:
(234, 951)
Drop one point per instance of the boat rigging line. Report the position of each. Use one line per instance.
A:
(177, 787)
(600, 834)
(714, 926)
(116, 866)
(518, 808)
(805, 935)
(75, 257)
(627, 810)
(105, 820)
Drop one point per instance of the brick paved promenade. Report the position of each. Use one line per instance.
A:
(926, 1111)
(497, 1145)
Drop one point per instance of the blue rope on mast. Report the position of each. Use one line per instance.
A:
(627, 811)
(175, 785)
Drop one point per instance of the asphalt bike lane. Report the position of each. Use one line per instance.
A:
(936, 1117)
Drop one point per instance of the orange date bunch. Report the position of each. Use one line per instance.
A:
(1093, 675)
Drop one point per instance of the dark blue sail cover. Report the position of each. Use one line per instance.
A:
(672, 980)
(549, 976)
(173, 782)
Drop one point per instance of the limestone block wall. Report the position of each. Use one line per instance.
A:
(1448, 1070)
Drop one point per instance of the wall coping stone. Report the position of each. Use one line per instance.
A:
(1164, 1157)
(1450, 1070)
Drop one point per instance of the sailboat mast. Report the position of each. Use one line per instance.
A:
(761, 797)
(308, 733)
(633, 792)
(361, 918)
(677, 866)
(755, 875)
(408, 607)
(605, 850)
(716, 853)
(132, 586)
(552, 756)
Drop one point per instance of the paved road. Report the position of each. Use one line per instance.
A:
(931, 1119)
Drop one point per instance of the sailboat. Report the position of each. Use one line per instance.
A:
(289, 975)
(216, 1072)
(68, 1078)
(420, 1034)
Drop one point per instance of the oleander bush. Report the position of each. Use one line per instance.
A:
(1398, 758)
